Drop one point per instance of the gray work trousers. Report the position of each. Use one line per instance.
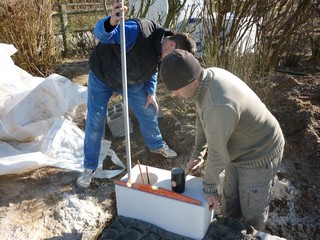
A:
(247, 193)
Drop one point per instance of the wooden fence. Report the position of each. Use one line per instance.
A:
(73, 18)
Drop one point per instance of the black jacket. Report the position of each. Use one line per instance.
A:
(142, 59)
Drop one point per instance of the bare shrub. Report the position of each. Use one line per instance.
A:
(27, 25)
(280, 24)
(275, 22)
(313, 34)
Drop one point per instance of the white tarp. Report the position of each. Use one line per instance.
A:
(37, 121)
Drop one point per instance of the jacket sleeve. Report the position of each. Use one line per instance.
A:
(107, 34)
(150, 86)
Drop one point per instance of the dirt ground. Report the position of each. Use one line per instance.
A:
(46, 204)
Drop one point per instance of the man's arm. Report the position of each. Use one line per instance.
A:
(108, 34)
(220, 122)
(107, 29)
(150, 87)
(200, 146)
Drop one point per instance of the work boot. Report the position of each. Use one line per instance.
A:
(165, 151)
(85, 178)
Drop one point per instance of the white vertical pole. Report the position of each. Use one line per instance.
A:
(125, 92)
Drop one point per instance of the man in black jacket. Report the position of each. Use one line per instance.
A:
(146, 43)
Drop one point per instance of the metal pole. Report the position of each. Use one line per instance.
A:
(125, 92)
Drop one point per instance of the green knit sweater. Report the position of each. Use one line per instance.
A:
(232, 125)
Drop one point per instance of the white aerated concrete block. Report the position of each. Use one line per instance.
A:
(175, 216)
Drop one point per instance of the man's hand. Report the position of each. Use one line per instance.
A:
(194, 165)
(116, 17)
(152, 99)
(212, 200)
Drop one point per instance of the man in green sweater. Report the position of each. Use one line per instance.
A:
(236, 130)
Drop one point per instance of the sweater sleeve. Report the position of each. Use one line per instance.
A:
(200, 146)
(219, 124)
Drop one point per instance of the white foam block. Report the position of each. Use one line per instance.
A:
(176, 216)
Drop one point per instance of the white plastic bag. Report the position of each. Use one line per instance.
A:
(33, 116)
(13, 160)
(107, 173)
(63, 145)
(37, 118)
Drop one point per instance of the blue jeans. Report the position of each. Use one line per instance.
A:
(98, 98)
